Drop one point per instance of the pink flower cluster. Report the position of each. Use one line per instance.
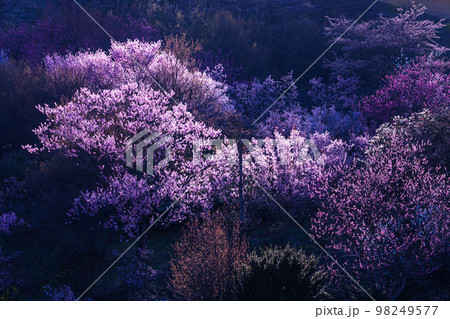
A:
(389, 212)
(422, 84)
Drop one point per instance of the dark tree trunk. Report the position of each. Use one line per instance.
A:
(241, 182)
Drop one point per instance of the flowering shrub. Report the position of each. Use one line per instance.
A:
(333, 109)
(389, 214)
(368, 50)
(318, 120)
(421, 84)
(341, 94)
(9, 220)
(206, 259)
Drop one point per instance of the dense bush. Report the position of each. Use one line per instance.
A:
(278, 273)
(207, 258)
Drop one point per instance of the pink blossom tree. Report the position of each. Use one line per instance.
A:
(139, 62)
(116, 97)
(99, 124)
(421, 84)
(388, 214)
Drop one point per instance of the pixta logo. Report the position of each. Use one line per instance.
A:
(142, 149)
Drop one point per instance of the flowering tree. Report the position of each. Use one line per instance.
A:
(99, 124)
(425, 126)
(102, 115)
(389, 214)
(117, 100)
(369, 49)
(294, 170)
(424, 83)
(136, 61)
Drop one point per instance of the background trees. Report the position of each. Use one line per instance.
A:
(368, 50)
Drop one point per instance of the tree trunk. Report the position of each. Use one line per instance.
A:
(241, 182)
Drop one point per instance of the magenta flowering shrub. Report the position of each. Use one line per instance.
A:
(424, 83)
(388, 214)
(369, 49)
